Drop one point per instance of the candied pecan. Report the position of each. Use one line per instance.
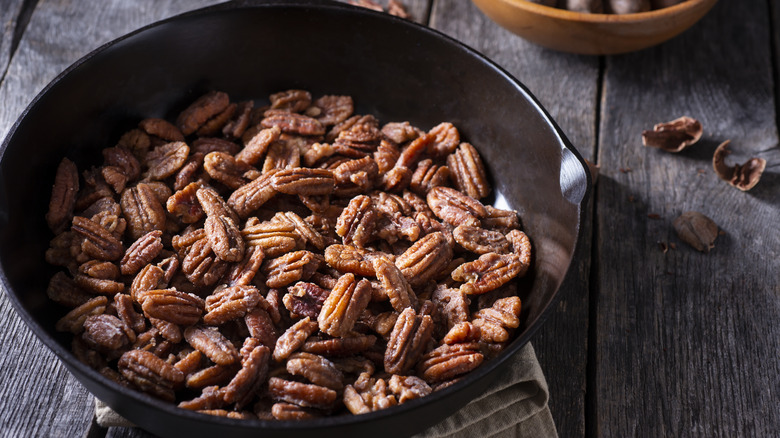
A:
(446, 140)
(213, 204)
(449, 361)
(65, 250)
(201, 266)
(165, 160)
(294, 338)
(167, 330)
(500, 220)
(105, 205)
(339, 346)
(99, 286)
(290, 268)
(282, 155)
(355, 175)
(161, 128)
(114, 177)
(301, 394)
(236, 127)
(305, 299)
(304, 181)
(230, 303)
(400, 132)
(289, 411)
(261, 326)
(428, 175)
(200, 111)
(293, 101)
(395, 284)
(425, 259)
(112, 223)
(245, 384)
(408, 388)
(184, 204)
(99, 269)
(480, 240)
(206, 145)
(356, 222)
(94, 188)
(215, 124)
(408, 341)
(190, 172)
(454, 207)
(673, 136)
(107, 333)
(347, 258)
(243, 415)
(495, 323)
(66, 292)
(150, 374)
(141, 252)
(315, 369)
(488, 272)
(257, 146)
(385, 156)
(63, 196)
(73, 321)
(292, 123)
(462, 332)
(344, 305)
(225, 238)
(302, 228)
(213, 375)
(242, 273)
(225, 169)
(382, 323)
(137, 141)
(211, 397)
(124, 161)
(397, 179)
(171, 305)
(126, 312)
(412, 153)
(317, 152)
(521, 245)
(252, 196)
(332, 109)
(468, 172)
(98, 242)
(142, 210)
(212, 343)
(452, 305)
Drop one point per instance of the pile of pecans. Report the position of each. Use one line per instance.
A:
(284, 262)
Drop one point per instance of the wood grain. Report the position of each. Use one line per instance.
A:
(688, 342)
(567, 86)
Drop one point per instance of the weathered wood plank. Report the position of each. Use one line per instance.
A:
(9, 16)
(567, 86)
(47, 400)
(687, 341)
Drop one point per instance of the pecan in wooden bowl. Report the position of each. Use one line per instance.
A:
(222, 241)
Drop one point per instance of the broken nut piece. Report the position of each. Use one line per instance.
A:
(696, 230)
(673, 136)
(742, 176)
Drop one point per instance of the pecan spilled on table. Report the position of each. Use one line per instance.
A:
(287, 261)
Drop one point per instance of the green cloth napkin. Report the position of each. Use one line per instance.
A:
(513, 406)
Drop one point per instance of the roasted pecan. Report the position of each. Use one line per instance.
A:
(446, 139)
(305, 299)
(382, 323)
(395, 284)
(107, 333)
(289, 411)
(200, 111)
(215, 124)
(282, 155)
(142, 210)
(412, 154)
(141, 252)
(316, 369)
(480, 240)
(462, 332)
(248, 198)
(302, 228)
(235, 128)
(201, 266)
(230, 303)
(99, 286)
(347, 258)
(428, 175)
(397, 179)
(343, 306)
(184, 204)
(339, 346)
(149, 278)
(408, 388)
(225, 238)
(425, 259)
(212, 343)
(100, 269)
(302, 394)
(304, 181)
(161, 129)
(496, 323)
(124, 161)
(94, 188)
(274, 237)
(294, 338)
(66, 292)
(488, 272)
(291, 267)
(136, 141)
(258, 145)
(245, 384)
(449, 361)
(521, 245)
(171, 305)
(293, 101)
(150, 374)
(374, 395)
(114, 177)
(225, 169)
(168, 330)
(214, 205)
(261, 326)
(126, 312)
(400, 132)
(213, 375)
(165, 160)
(454, 207)
(357, 222)
(211, 397)
(408, 341)
(332, 110)
(63, 196)
(468, 172)
(98, 242)
(317, 152)
(73, 321)
(292, 123)
(452, 306)
(242, 273)
(386, 156)
(500, 220)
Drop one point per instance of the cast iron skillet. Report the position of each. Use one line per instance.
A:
(393, 68)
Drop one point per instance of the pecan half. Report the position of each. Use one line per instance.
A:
(127, 313)
(291, 267)
(305, 299)
(339, 346)
(462, 332)
(165, 160)
(142, 210)
(495, 323)
(141, 252)
(293, 101)
(63, 290)
(63, 196)
(242, 273)
(248, 198)
(200, 111)
(452, 305)
(294, 338)
(400, 132)
(316, 369)
(212, 343)
(257, 146)
(425, 259)
(343, 306)
(73, 321)
(428, 175)
(225, 169)
(161, 129)
(213, 204)
(347, 258)
(408, 388)
(395, 285)
(150, 374)
(454, 207)
(302, 394)
(488, 272)
(304, 181)
(333, 109)
(230, 303)
(446, 139)
(172, 305)
(408, 341)
(107, 333)
(261, 326)
(521, 245)
(289, 411)
(211, 397)
(201, 266)
(302, 228)
(480, 240)
(500, 220)
(98, 242)
(274, 237)
(357, 222)
(248, 380)
(225, 238)
(292, 123)
(449, 361)
(468, 172)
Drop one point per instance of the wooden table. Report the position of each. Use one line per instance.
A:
(646, 341)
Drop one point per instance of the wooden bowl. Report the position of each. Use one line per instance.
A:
(593, 34)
